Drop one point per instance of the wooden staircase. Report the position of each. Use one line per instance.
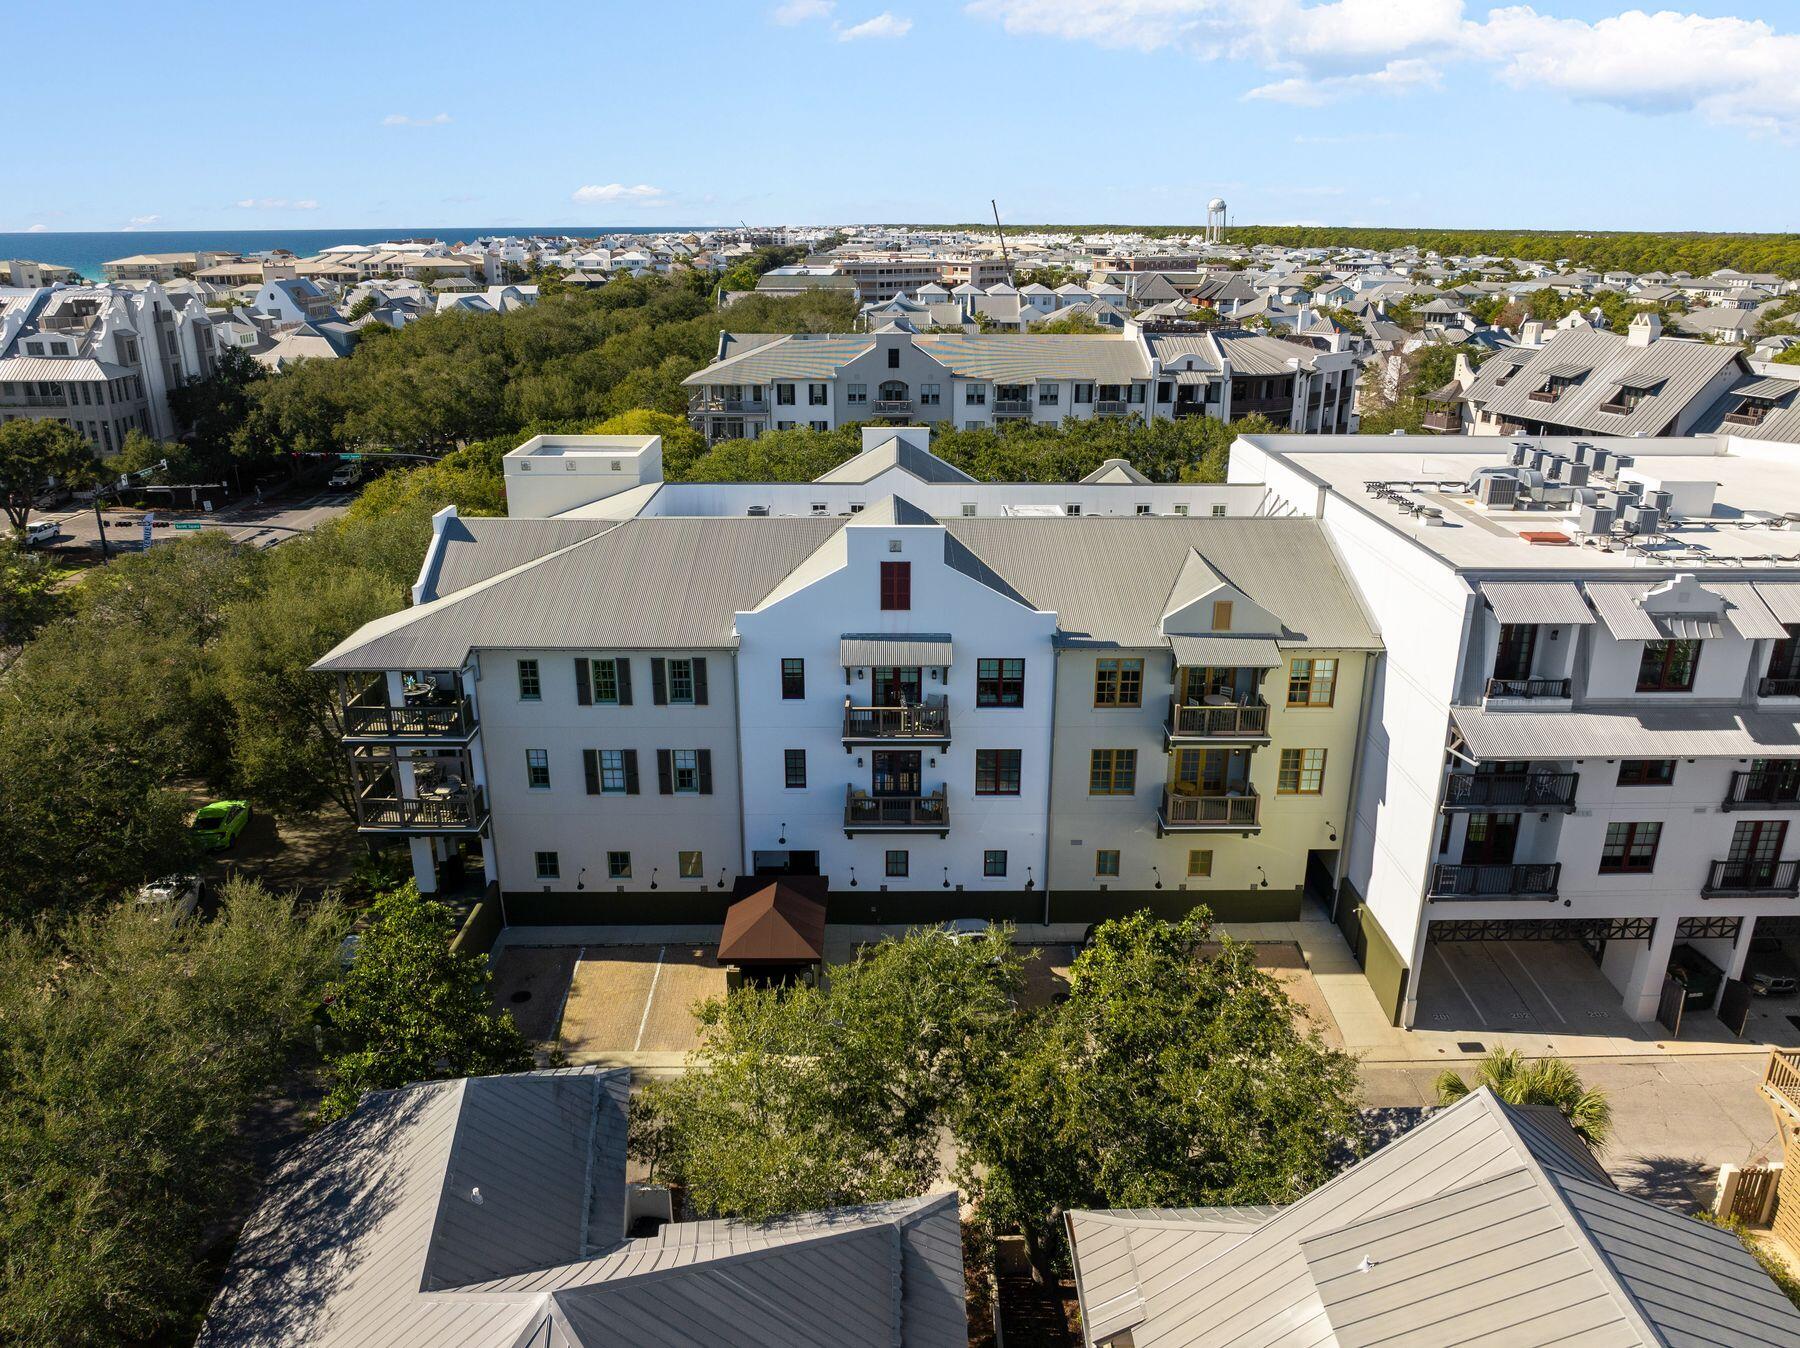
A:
(1781, 1087)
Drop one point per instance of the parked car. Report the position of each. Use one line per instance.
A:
(40, 532)
(217, 826)
(176, 897)
(1697, 974)
(966, 928)
(347, 476)
(1769, 970)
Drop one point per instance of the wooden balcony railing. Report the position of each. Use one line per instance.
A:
(1761, 789)
(1239, 811)
(454, 811)
(1531, 687)
(1751, 877)
(1247, 720)
(369, 717)
(1448, 419)
(929, 720)
(1781, 1080)
(1504, 790)
(1532, 881)
(890, 813)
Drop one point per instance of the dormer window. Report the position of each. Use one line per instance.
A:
(1750, 411)
(1557, 380)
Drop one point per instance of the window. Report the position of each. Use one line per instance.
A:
(793, 679)
(1630, 849)
(618, 865)
(857, 393)
(1118, 683)
(997, 772)
(784, 395)
(1181, 510)
(1221, 615)
(1200, 862)
(1106, 863)
(681, 680)
(606, 681)
(690, 866)
(1312, 683)
(530, 690)
(794, 768)
(685, 764)
(1072, 509)
(1646, 772)
(537, 769)
(1668, 667)
(1049, 394)
(893, 358)
(1301, 772)
(1218, 511)
(929, 395)
(1143, 508)
(993, 864)
(1084, 393)
(898, 863)
(999, 683)
(1112, 772)
(818, 425)
(975, 395)
(549, 866)
(896, 585)
(615, 778)
(817, 395)
(968, 510)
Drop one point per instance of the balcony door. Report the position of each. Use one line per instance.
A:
(895, 772)
(895, 686)
(1202, 772)
(1755, 850)
(1518, 641)
(1490, 840)
(892, 391)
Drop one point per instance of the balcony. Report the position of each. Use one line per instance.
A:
(1505, 881)
(1781, 1081)
(740, 406)
(1763, 790)
(381, 809)
(891, 407)
(1012, 407)
(1240, 812)
(1111, 407)
(1544, 395)
(435, 715)
(1443, 419)
(864, 813)
(1729, 879)
(1778, 688)
(1511, 790)
(929, 720)
(1527, 688)
(1227, 721)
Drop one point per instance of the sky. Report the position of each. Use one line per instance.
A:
(328, 114)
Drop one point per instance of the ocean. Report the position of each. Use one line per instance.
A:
(86, 252)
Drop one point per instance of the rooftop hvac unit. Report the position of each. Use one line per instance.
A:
(1622, 461)
(1519, 454)
(1602, 461)
(1555, 467)
(1496, 492)
(1538, 459)
(1642, 519)
(757, 510)
(1662, 500)
(1596, 520)
(1582, 451)
(1577, 474)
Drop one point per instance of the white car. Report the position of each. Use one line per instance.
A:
(40, 532)
(347, 476)
(176, 896)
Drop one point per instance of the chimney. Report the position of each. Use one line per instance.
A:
(1532, 333)
(1465, 372)
(1645, 328)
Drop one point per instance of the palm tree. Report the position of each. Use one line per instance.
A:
(1545, 1081)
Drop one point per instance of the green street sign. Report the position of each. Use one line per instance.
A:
(189, 524)
(351, 458)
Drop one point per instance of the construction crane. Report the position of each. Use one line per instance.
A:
(1000, 230)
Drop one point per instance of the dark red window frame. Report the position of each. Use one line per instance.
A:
(896, 585)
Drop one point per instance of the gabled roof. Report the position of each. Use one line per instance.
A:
(894, 453)
(1488, 1223)
(1683, 368)
(1115, 470)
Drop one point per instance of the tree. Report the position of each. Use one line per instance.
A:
(135, 1052)
(1545, 1081)
(366, 305)
(1789, 357)
(412, 1009)
(1077, 323)
(28, 594)
(36, 456)
(1175, 1074)
(210, 412)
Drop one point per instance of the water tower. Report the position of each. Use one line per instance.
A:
(1215, 220)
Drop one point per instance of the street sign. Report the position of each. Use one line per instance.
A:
(350, 458)
(187, 524)
(149, 524)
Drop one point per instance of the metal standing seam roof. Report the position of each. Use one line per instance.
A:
(856, 649)
(1746, 610)
(1487, 1223)
(1782, 597)
(475, 548)
(1694, 731)
(1618, 606)
(1781, 423)
(1226, 651)
(1557, 602)
(1004, 358)
(894, 453)
(790, 358)
(1684, 369)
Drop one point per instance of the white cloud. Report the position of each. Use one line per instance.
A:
(139, 221)
(37, 229)
(802, 11)
(641, 195)
(278, 204)
(401, 119)
(1728, 70)
(883, 25)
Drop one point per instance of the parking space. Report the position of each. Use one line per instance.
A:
(636, 999)
(1519, 987)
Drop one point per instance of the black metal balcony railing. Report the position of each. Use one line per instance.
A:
(1242, 810)
(1760, 788)
(892, 407)
(929, 720)
(1529, 687)
(1111, 407)
(369, 717)
(1751, 877)
(753, 405)
(864, 811)
(1246, 720)
(462, 810)
(1012, 406)
(1778, 688)
(1505, 881)
(1511, 790)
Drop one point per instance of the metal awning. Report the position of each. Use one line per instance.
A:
(1765, 388)
(1555, 602)
(1193, 376)
(893, 648)
(1226, 651)
(1655, 732)
(1782, 597)
(1627, 619)
(1745, 610)
(1563, 371)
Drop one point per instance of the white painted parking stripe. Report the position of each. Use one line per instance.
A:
(1554, 1009)
(1444, 960)
(649, 998)
(563, 1005)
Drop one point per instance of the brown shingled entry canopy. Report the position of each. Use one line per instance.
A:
(775, 922)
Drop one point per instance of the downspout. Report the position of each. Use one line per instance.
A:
(1050, 788)
(737, 749)
(1350, 804)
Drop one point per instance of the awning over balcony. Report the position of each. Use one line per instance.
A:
(1655, 732)
(1553, 602)
(1782, 597)
(1628, 620)
(1221, 651)
(1747, 611)
(893, 648)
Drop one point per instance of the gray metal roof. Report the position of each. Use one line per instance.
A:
(1680, 371)
(1618, 607)
(894, 453)
(1694, 731)
(1000, 357)
(1746, 610)
(1226, 651)
(1486, 1224)
(474, 549)
(1116, 471)
(1536, 601)
(1782, 597)
(1781, 423)
(856, 649)
(369, 1237)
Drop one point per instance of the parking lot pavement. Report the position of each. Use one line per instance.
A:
(631, 1004)
(262, 524)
